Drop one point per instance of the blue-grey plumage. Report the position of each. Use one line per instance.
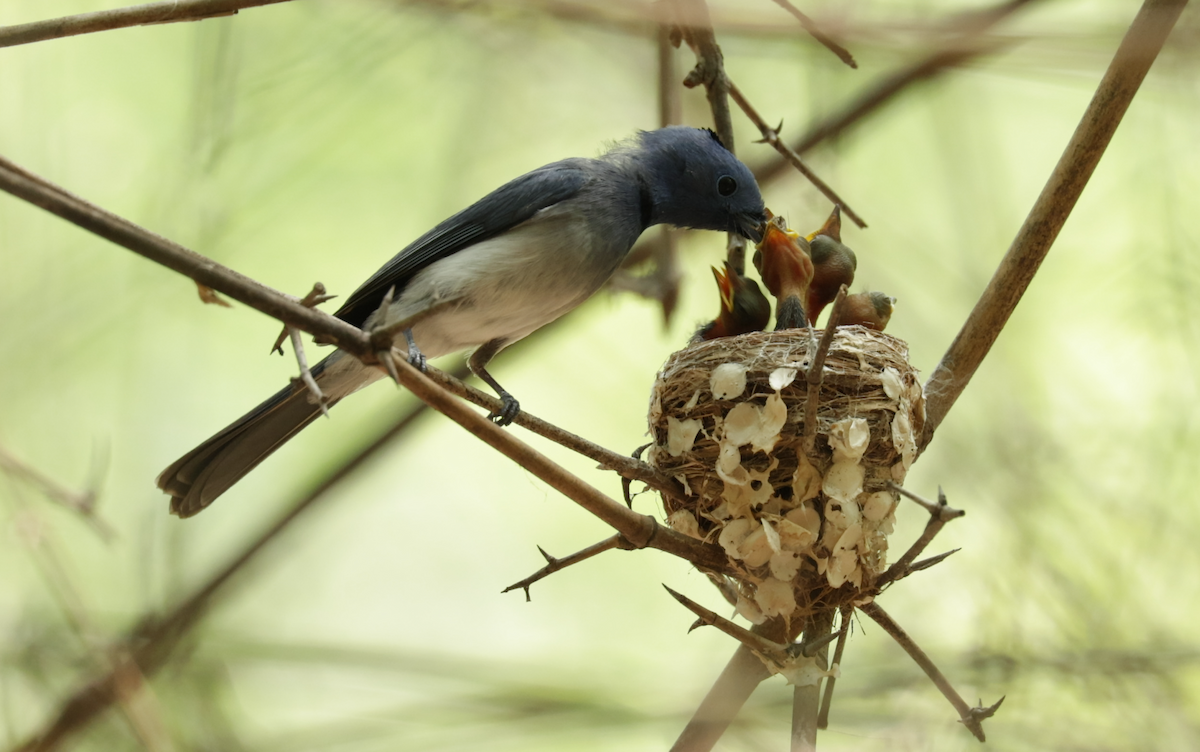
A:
(514, 261)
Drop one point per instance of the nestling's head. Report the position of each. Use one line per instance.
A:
(695, 182)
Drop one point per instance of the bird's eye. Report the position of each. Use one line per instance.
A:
(726, 186)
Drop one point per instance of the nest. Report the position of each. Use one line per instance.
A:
(805, 530)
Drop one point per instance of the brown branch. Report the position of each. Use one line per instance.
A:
(81, 502)
(827, 699)
(729, 692)
(939, 514)
(554, 564)
(637, 528)
(92, 218)
(776, 652)
(1121, 81)
(954, 53)
(169, 11)
(771, 136)
(640, 530)
(806, 699)
(816, 372)
(815, 32)
(315, 297)
(695, 25)
(970, 717)
(627, 467)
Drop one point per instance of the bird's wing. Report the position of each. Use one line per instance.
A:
(502, 209)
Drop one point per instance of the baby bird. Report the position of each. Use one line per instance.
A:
(833, 265)
(870, 309)
(783, 262)
(744, 308)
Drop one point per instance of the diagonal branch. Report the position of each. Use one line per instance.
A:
(695, 25)
(555, 564)
(1129, 66)
(967, 45)
(286, 308)
(815, 32)
(970, 717)
(771, 136)
(169, 11)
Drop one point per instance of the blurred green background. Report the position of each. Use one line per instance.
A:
(311, 140)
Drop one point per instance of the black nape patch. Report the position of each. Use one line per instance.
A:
(716, 138)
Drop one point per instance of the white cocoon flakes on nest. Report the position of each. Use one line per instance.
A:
(804, 531)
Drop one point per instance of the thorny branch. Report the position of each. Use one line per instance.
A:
(806, 699)
(168, 11)
(554, 564)
(696, 28)
(777, 653)
(1121, 81)
(811, 27)
(939, 514)
(970, 717)
(816, 373)
(639, 529)
(827, 698)
(771, 136)
(966, 45)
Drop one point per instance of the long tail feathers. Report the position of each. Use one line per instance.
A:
(200, 476)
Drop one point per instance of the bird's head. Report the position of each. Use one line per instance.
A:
(695, 182)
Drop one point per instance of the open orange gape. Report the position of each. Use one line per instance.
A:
(805, 529)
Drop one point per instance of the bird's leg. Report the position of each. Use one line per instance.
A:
(416, 358)
(509, 407)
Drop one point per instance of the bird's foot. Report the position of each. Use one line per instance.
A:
(509, 407)
(416, 358)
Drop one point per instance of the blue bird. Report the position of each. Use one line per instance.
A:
(514, 261)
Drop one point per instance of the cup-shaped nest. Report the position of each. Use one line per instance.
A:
(805, 529)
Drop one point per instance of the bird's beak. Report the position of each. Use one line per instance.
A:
(749, 226)
(725, 286)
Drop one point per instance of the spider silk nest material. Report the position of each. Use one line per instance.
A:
(803, 531)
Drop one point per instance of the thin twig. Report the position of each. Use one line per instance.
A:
(168, 11)
(771, 136)
(775, 652)
(315, 297)
(637, 528)
(806, 698)
(816, 373)
(965, 46)
(970, 717)
(81, 502)
(640, 530)
(555, 564)
(939, 514)
(827, 699)
(696, 27)
(629, 468)
(306, 376)
(815, 32)
(1121, 81)
(41, 192)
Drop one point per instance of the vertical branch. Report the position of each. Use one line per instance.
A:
(806, 700)
(695, 25)
(1129, 66)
